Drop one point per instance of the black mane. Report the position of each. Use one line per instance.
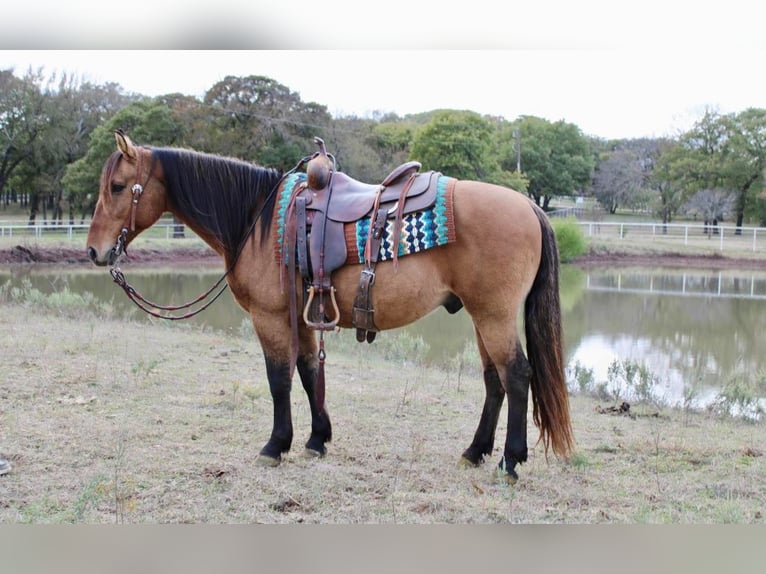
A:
(222, 195)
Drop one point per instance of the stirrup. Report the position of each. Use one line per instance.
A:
(321, 325)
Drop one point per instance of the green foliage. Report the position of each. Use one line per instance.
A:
(579, 460)
(740, 397)
(402, 347)
(64, 302)
(148, 122)
(724, 152)
(584, 378)
(55, 135)
(626, 380)
(570, 239)
(555, 157)
(457, 143)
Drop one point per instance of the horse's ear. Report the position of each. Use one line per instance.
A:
(125, 145)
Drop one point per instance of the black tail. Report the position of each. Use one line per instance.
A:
(542, 324)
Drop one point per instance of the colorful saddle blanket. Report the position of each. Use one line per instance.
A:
(420, 230)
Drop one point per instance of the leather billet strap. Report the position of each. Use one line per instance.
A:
(302, 238)
(363, 316)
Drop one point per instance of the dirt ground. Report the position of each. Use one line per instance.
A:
(113, 421)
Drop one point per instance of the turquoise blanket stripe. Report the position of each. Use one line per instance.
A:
(420, 231)
(285, 192)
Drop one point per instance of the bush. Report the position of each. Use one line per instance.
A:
(570, 238)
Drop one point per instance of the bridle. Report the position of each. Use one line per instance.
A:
(120, 249)
(121, 245)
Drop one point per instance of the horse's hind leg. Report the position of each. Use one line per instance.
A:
(518, 374)
(321, 428)
(506, 370)
(484, 438)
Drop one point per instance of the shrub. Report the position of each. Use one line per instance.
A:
(570, 238)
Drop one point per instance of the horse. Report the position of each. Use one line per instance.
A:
(504, 258)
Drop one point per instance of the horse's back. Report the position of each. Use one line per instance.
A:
(495, 255)
(496, 226)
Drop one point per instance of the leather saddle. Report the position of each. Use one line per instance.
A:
(319, 209)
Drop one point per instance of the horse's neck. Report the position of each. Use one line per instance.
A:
(203, 233)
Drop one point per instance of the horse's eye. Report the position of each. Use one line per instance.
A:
(117, 187)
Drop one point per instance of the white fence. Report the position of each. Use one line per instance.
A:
(694, 237)
(14, 229)
(697, 236)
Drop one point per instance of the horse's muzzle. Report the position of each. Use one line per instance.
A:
(110, 259)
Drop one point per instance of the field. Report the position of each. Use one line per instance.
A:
(109, 421)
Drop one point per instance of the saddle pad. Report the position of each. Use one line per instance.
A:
(283, 201)
(420, 231)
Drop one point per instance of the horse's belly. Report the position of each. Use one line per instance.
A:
(399, 297)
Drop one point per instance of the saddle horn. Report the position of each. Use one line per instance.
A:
(320, 167)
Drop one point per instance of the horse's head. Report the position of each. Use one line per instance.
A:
(131, 198)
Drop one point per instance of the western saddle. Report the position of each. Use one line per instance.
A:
(315, 220)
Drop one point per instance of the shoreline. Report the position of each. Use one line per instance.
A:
(23, 255)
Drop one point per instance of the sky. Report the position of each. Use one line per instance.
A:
(647, 71)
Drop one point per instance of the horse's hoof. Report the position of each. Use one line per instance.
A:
(311, 453)
(265, 460)
(509, 477)
(465, 463)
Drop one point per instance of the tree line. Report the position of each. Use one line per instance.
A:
(56, 133)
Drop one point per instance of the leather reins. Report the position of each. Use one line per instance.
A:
(120, 249)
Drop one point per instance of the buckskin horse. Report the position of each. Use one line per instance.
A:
(503, 255)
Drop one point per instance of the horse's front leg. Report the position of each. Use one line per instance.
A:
(308, 365)
(280, 384)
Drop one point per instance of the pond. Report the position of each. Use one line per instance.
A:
(677, 337)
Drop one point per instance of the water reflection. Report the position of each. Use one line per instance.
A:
(689, 328)
(695, 330)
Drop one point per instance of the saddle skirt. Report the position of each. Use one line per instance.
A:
(427, 222)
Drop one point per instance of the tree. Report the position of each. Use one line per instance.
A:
(723, 152)
(712, 205)
(258, 119)
(457, 143)
(148, 122)
(352, 141)
(555, 157)
(746, 159)
(669, 194)
(21, 121)
(618, 179)
(628, 174)
(73, 111)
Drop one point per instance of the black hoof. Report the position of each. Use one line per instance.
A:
(507, 472)
(474, 456)
(316, 445)
(266, 460)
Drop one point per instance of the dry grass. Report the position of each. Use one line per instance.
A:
(111, 421)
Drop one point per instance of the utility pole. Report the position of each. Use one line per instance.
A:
(517, 136)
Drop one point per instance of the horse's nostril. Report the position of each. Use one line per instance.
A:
(92, 254)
